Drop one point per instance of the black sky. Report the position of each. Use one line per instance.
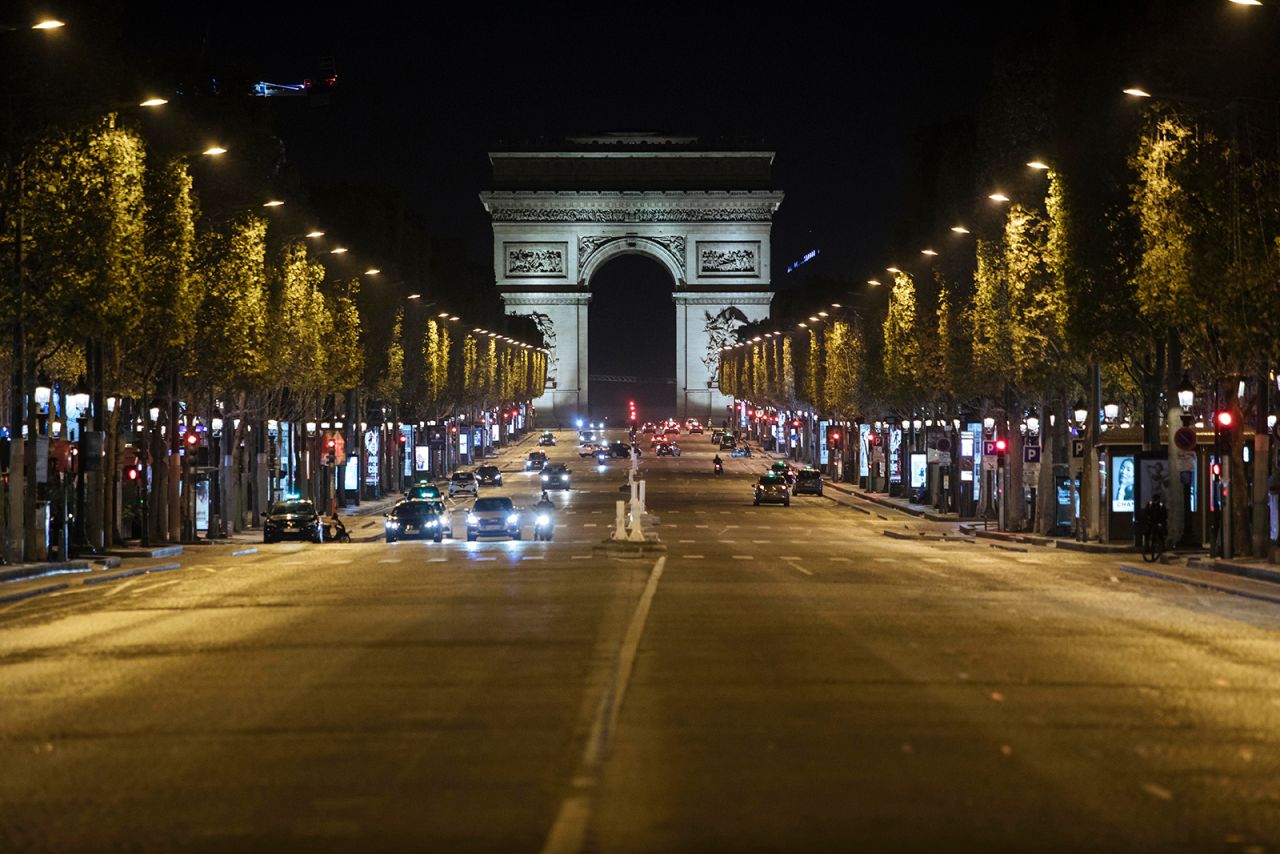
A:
(426, 90)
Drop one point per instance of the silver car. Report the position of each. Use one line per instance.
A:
(493, 517)
(463, 483)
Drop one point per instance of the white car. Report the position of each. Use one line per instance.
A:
(464, 483)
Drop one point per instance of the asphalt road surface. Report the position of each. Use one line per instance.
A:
(786, 678)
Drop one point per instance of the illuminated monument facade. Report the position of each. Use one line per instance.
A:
(704, 213)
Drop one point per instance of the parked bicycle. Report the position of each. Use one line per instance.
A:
(1155, 529)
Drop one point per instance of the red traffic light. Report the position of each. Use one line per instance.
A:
(1002, 445)
(132, 473)
(835, 437)
(192, 438)
(1216, 469)
(330, 444)
(1225, 420)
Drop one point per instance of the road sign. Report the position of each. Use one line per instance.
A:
(1031, 454)
(1186, 461)
(1031, 474)
(943, 445)
(1077, 449)
(988, 448)
(1185, 439)
(989, 462)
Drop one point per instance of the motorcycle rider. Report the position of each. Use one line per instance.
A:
(544, 509)
(719, 464)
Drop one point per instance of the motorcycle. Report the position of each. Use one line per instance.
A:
(543, 526)
(601, 457)
(719, 467)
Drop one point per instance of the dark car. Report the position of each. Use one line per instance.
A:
(808, 481)
(555, 476)
(535, 461)
(493, 517)
(619, 449)
(728, 442)
(547, 440)
(784, 470)
(292, 519)
(668, 449)
(419, 519)
(772, 489)
(489, 476)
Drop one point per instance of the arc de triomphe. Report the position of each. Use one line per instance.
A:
(705, 214)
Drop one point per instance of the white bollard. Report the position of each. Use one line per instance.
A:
(637, 531)
(620, 522)
(642, 509)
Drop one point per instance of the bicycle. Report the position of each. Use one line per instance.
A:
(1153, 543)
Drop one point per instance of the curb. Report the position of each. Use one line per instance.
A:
(158, 551)
(27, 594)
(36, 570)
(1228, 568)
(626, 550)
(116, 576)
(1207, 585)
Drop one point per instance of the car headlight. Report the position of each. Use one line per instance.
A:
(431, 523)
(392, 523)
(513, 519)
(543, 519)
(564, 477)
(472, 519)
(546, 477)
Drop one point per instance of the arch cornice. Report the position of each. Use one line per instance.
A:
(667, 251)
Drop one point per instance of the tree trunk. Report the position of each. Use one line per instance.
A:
(1176, 500)
(1046, 488)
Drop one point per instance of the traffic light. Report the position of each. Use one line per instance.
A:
(833, 440)
(191, 439)
(1002, 447)
(133, 472)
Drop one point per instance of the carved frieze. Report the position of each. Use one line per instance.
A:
(755, 213)
(729, 258)
(535, 260)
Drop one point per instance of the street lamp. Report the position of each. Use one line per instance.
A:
(1186, 393)
(153, 102)
(1038, 165)
(959, 229)
(1080, 412)
(1111, 411)
(998, 197)
(314, 233)
(214, 151)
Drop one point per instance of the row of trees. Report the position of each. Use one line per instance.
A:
(123, 286)
(1068, 293)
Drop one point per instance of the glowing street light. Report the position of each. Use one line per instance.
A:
(49, 24)
(959, 229)
(928, 252)
(214, 151)
(274, 203)
(998, 197)
(315, 234)
(893, 270)
(153, 102)
(1135, 92)
(341, 250)
(414, 296)
(1247, 2)
(1038, 165)
(372, 271)
(875, 283)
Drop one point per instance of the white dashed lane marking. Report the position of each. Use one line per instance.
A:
(743, 557)
(692, 557)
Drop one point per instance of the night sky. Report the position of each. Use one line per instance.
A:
(424, 93)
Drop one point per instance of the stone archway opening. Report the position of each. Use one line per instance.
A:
(632, 339)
